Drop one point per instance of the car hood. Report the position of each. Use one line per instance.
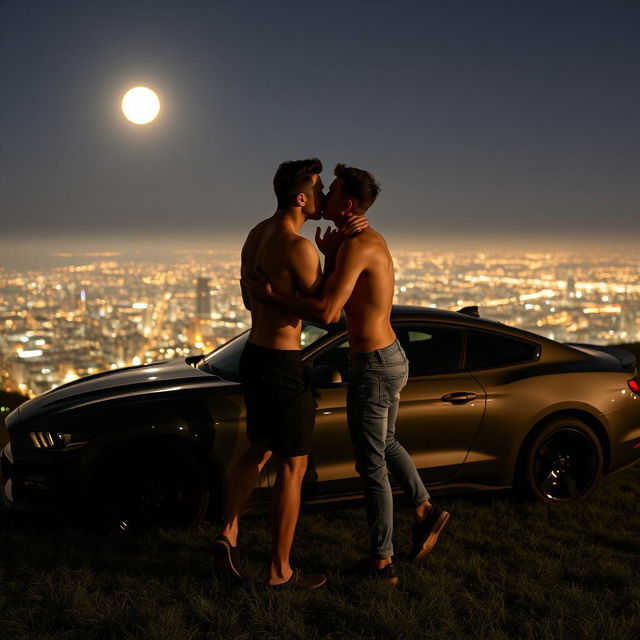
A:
(158, 377)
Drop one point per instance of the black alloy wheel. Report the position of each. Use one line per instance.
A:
(563, 462)
(152, 486)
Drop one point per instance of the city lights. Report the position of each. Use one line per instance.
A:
(70, 322)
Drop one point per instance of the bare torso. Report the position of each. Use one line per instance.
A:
(368, 309)
(266, 250)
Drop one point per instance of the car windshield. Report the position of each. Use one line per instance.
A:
(224, 360)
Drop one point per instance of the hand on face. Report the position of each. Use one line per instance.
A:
(330, 242)
(333, 238)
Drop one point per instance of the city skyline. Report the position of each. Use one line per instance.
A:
(106, 312)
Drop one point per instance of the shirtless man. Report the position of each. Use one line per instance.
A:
(362, 282)
(280, 410)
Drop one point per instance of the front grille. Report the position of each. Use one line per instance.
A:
(54, 440)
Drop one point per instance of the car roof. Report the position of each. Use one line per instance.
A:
(552, 347)
(410, 312)
(421, 314)
(464, 319)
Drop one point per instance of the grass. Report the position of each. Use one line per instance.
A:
(502, 570)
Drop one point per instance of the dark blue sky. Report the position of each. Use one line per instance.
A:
(480, 119)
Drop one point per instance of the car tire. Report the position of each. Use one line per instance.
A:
(562, 462)
(150, 486)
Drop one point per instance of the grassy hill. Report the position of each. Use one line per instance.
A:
(502, 570)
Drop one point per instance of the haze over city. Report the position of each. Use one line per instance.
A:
(488, 124)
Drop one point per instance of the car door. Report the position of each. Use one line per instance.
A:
(442, 406)
(331, 464)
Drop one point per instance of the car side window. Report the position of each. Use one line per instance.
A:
(487, 350)
(431, 348)
(335, 357)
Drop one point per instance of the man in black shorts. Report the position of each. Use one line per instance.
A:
(363, 283)
(279, 406)
(280, 410)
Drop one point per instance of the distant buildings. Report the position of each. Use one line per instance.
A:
(571, 287)
(203, 299)
(73, 321)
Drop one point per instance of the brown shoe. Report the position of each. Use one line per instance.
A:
(225, 556)
(426, 532)
(299, 581)
(365, 569)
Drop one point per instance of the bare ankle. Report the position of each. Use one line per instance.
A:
(230, 535)
(278, 575)
(420, 512)
(381, 564)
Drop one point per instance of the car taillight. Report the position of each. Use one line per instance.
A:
(634, 385)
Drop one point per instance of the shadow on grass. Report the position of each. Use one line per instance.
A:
(502, 569)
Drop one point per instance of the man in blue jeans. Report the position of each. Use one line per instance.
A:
(361, 281)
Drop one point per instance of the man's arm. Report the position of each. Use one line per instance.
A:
(304, 264)
(244, 285)
(330, 242)
(350, 263)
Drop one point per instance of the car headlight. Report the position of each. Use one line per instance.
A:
(54, 440)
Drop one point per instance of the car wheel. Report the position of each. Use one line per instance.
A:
(152, 486)
(563, 462)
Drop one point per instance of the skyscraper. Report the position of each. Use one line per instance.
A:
(570, 291)
(203, 299)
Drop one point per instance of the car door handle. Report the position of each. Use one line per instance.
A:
(459, 397)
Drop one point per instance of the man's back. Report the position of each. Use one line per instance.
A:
(271, 250)
(368, 308)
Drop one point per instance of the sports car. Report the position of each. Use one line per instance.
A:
(487, 406)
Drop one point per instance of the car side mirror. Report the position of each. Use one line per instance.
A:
(325, 376)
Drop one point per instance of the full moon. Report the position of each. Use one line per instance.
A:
(140, 105)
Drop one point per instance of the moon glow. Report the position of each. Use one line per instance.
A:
(140, 105)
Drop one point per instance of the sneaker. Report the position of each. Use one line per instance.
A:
(299, 581)
(425, 533)
(365, 569)
(225, 556)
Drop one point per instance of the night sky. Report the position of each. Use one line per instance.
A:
(482, 120)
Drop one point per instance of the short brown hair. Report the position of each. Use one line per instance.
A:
(292, 177)
(358, 185)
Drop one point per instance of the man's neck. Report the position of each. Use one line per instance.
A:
(293, 218)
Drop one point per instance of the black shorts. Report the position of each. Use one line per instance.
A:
(279, 404)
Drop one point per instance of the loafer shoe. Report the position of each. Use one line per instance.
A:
(225, 556)
(365, 569)
(298, 580)
(425, 532)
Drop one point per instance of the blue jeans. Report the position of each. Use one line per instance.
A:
(373, 397)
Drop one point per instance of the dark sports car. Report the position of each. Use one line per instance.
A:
(487, 406)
